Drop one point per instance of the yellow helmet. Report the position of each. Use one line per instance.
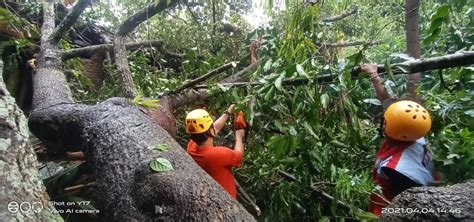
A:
(406, 121)
(198, 121)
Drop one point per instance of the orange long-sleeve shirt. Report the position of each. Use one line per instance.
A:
(217, 161)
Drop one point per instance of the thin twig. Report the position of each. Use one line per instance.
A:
(321, 193)
(80, 186)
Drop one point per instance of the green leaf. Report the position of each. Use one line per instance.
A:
(441, 12)
(151, 103)
(136, 99)
(300, 70)
(362, 215)
(435, 24)
(270, 94)
(222, 87)
(160, 147)
(325, 100)
(161, 165)
(388, 69)
(267, 66)
(310, 130)
(470, 112)
(279, 80)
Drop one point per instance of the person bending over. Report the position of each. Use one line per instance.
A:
(217, 161)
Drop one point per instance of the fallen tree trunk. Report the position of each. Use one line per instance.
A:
(116, 137)
(414, 66)
(450, 203)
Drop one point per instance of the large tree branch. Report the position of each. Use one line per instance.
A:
(49, 83)
(86, 51)
(128, 87)
(69, 20)
(190, 95)
(339, 17)
(204, 77)
(133, 21)
(186, 97)
(238, 75)
(348, 44)
(409, 67)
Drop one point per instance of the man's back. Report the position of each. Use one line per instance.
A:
(217, 162)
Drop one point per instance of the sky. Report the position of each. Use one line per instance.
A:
(255, 17)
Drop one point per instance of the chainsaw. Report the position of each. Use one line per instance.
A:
(240, 123)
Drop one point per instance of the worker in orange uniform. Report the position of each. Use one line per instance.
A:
(217, 161)
(403, 160)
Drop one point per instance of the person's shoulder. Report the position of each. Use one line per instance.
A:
(220, 148)
(191, 147)
(421, 141)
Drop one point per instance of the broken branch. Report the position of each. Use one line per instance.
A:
(69, 20)
(78, 187)
(85, 51)
(321, 193)
(237, 77)
(133, 21)
(348, 44)
(408, 67)
(246, 198)
(204, 77)
(339, 17)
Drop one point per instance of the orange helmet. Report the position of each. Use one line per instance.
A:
(406, 121)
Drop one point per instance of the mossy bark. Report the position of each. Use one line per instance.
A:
(20, 184)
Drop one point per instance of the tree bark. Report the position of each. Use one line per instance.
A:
(128, 87)
(69, 20)
(116, 137)
(450, 203)
(20, 183)
(339, 17)
(412, 19)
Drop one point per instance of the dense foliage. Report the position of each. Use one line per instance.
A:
(326, 135)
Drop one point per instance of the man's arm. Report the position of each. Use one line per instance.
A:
(239, 141)
(380, 90)
(219, 123)
(232, 158)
